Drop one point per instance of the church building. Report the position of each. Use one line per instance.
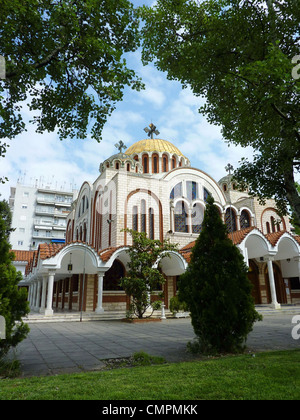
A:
(151, 187)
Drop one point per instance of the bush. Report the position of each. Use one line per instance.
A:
(177, 306)
(13, 301)
(217, 289)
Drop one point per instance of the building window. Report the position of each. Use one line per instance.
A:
(155, 164)
(135, 224)
(128, 167)
(151, 223)
(230, 220)
(143, 216)
(191, 190)
(173, 162)
(145, 164)
(206, 194)
(181, 218)
(245, 219)
(165, 167)
(273, 224)
(196, 218)
(176, 191)
(268, 227)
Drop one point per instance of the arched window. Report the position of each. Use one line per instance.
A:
(197, 218)
(155, 163)
(135, 223)
(245, 219)
(181, 217)
(151, 223)
(268, 227)
(176, 191)
(165, 165)
(206, 194)
(128, 167)
(117, 165)
(230, 220)
(273, 224)
(84, 232)
(173, 162)
(191, 190)
(145, 164)
(143, 216)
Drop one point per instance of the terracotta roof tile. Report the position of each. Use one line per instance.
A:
(297, 238)
(274, 237)
(23, 255)
(238, 236)
(48, 250)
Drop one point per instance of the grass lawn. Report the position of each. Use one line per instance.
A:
(270, 375)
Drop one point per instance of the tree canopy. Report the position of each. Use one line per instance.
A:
(13, 301)
(64, 59)
(143, 276)
(239, 55)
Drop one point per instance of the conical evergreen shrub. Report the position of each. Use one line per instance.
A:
(217, 289)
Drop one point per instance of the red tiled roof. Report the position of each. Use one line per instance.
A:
(23, 255)
(49, 250)
(106, 253)
(238, 236)
(274, 237)
(297, 238)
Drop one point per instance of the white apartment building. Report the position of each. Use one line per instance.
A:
(39, 215)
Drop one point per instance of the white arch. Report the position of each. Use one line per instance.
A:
(81, 253)
(286, 247)
(256, 245)
(172, 265)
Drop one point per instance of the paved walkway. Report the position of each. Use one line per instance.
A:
(65, 347)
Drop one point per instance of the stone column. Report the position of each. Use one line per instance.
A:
(37, 297)
(43, 301)
(99, 309)
(33, 296)
(49, 310)
(30, 294)
(274, 303)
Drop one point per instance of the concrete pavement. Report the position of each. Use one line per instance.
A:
(65, 347)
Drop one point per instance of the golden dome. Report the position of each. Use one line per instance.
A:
(153, 145)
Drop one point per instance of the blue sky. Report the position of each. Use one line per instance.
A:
(43, 159)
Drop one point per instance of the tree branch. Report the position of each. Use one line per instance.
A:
(40, 64)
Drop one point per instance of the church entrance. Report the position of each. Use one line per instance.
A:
(279, 284)
(253, 276)
(114, 297)
(112, 277)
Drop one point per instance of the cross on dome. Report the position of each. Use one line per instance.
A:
(151, 131)
(120, 146)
